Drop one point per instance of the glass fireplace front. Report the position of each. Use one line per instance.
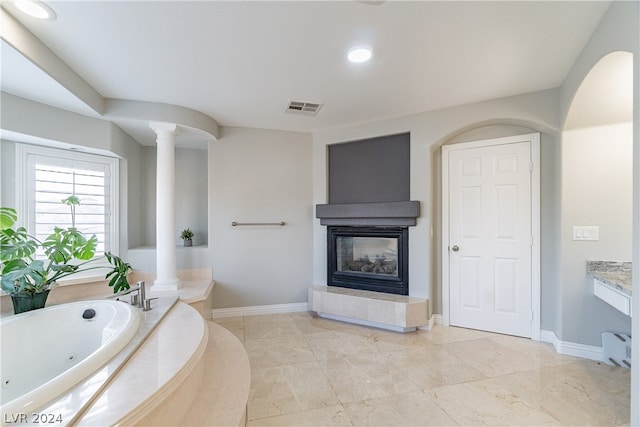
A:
(368, 258)
(368, 255)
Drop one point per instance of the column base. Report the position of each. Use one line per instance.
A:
(167, 284)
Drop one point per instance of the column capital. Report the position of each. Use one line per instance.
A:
(163, 127)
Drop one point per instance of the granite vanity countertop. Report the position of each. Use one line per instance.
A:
(613, 273)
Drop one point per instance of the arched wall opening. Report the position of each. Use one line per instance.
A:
(596, 190)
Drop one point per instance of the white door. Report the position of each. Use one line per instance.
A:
(490, 237)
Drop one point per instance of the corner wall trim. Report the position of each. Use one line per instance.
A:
(218, 313)
(572, 349)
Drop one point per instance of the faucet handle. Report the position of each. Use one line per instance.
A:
(147, 304)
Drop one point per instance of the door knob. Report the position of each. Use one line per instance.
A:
(455, 248)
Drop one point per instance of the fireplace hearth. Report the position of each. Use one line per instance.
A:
(368, 258)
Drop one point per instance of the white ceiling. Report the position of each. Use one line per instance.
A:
(240, 62)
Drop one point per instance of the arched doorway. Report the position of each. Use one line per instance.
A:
(596, 181)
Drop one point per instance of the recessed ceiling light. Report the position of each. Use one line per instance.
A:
(35, 8)
(359, 54)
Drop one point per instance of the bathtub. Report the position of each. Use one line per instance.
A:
(45, 352)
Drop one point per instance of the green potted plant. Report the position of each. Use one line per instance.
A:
(28, 277)
(187, 236)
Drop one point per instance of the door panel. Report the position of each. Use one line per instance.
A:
(490, 225)
(470, 201)
(470, 267)
(506, 200)
(506, 295)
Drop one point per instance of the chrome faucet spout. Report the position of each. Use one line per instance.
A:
(123, 293)
(143, 294)
(139, 299)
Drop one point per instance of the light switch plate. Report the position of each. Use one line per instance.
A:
(586, 232)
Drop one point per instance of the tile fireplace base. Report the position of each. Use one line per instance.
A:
(395, 312)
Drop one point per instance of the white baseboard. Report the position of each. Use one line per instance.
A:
(562, 347)
(435, 319)
(572, 349)
(218, 313)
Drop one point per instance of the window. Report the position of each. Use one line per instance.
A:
(47, 176)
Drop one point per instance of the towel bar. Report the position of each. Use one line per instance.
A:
(234, 223)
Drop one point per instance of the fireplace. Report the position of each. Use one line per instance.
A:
(369, 213)
(369, 258)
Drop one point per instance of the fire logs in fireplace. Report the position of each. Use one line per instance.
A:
(379, 265)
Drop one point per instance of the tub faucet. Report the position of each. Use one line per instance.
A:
(126, 292)
(139, 299)
(144, 303)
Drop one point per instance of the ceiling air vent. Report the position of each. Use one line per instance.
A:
(306, 108)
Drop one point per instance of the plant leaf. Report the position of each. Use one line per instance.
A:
(71, 200)
(86, 249)
(119, 273)
(64, 244)
(18, 276)
(57, 247)
(8, 217)
(16, 244)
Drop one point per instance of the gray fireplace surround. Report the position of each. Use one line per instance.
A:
(382, 214)
(369, 190)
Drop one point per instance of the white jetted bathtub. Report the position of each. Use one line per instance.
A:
(45, 352)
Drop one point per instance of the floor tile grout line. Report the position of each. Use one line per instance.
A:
(540, 363)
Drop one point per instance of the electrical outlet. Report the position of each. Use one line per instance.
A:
(586, 232)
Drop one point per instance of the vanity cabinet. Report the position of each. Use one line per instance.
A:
(612, 296)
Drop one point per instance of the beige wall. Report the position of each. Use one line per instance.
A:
(596, 190)
(260, 176)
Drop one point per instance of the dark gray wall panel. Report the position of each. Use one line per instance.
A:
(370, 170)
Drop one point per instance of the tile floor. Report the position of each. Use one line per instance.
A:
(309, 371)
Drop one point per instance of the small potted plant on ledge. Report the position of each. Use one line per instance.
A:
(28, 277)
(187, 236)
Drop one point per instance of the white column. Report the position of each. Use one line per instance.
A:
(166, 270)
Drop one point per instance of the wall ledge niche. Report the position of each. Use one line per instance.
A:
(191, 197)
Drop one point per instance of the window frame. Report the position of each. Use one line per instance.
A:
(25, 186)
